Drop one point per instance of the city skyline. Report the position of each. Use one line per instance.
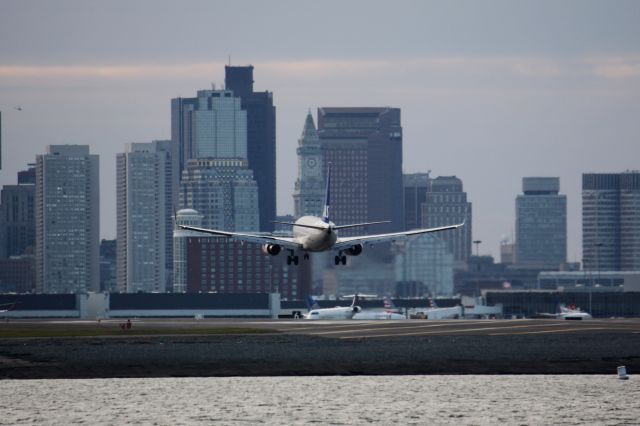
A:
(490, 99)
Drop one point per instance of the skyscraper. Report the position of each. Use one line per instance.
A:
(308, 195)
(261, 138)
(223, 191)
(611, 221)
(17, 220)
(364, 147)
(541, 223)
(416, 186)
(446, 204)
(425, 259)
(67, 212)
(144, 217)
(213, 125)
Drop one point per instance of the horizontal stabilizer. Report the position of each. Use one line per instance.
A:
(354, 225)
(303, 226)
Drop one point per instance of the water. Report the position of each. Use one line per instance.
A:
(466, 400)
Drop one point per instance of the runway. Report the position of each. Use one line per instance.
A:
(263, 347)
(346, 329)
(389, 329)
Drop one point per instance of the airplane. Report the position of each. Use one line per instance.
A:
(433, 311)
(390, 313)
(570, 312)
(6, 307)
(318, 234)
(338, 312)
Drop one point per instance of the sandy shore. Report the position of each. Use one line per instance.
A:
(285, 354)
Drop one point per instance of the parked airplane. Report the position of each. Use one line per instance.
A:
(390, 312)
(6, 307)
(570, 312)
(316, 234)
(339, 312)
(433, 311)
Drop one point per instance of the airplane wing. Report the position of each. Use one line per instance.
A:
(251, 238)
(346, 242)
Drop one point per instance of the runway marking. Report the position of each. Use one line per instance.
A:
(551, 331)
(446, 331)
(403, 327)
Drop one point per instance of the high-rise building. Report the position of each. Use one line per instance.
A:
(108, 282)
(17, 220)
(211, 125)
(308, 195)
(67, 212)
(144, 208)
(205, 264)
(364, 147)
(541, 223)
(261, 138)
(426, 259)
(446, 204)
(611, 221)
(223, 191)
(416, 186)
(188, 217)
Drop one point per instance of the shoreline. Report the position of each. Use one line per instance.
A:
(281, 354)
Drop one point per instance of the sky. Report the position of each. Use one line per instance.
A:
(490, 91)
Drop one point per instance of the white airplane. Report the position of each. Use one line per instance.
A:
(390, 313)
(339, 312)
(435, 312)
(573, 313)
(316, 234)
(567, 313)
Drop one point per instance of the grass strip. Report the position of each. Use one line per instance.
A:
(14, 333)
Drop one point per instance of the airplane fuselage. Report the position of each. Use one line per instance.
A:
(338, 313)
(312, 239)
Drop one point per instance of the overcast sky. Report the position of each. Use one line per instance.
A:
(490, 91)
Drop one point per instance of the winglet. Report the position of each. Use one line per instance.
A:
(327, 196)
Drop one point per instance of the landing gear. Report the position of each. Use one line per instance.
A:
(340, 258)
(292, 258)
(306, 256)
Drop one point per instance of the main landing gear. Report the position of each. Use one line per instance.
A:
(340, 258)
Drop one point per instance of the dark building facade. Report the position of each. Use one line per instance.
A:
(416, 186)
(17, 274)
(17, 220)
(364, 147)
(446, 204)
(611, 221)
(222, 265)
(541, 223)
(261, 138)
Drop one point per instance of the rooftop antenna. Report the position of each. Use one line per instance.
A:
(229, 60)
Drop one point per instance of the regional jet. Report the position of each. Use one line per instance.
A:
(317, 234)
(339, 312)
(570, 312)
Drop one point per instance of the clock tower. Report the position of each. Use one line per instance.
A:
(308, 194)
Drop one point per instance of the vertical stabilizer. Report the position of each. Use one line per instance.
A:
(327, 197)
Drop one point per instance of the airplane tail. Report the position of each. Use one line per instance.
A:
(432, 303)
(327, 197)
(312, 304)
(355, 300)
(388, 303)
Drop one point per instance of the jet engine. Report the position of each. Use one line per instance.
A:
(272, 249)
(356, 309)
(354, 250)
